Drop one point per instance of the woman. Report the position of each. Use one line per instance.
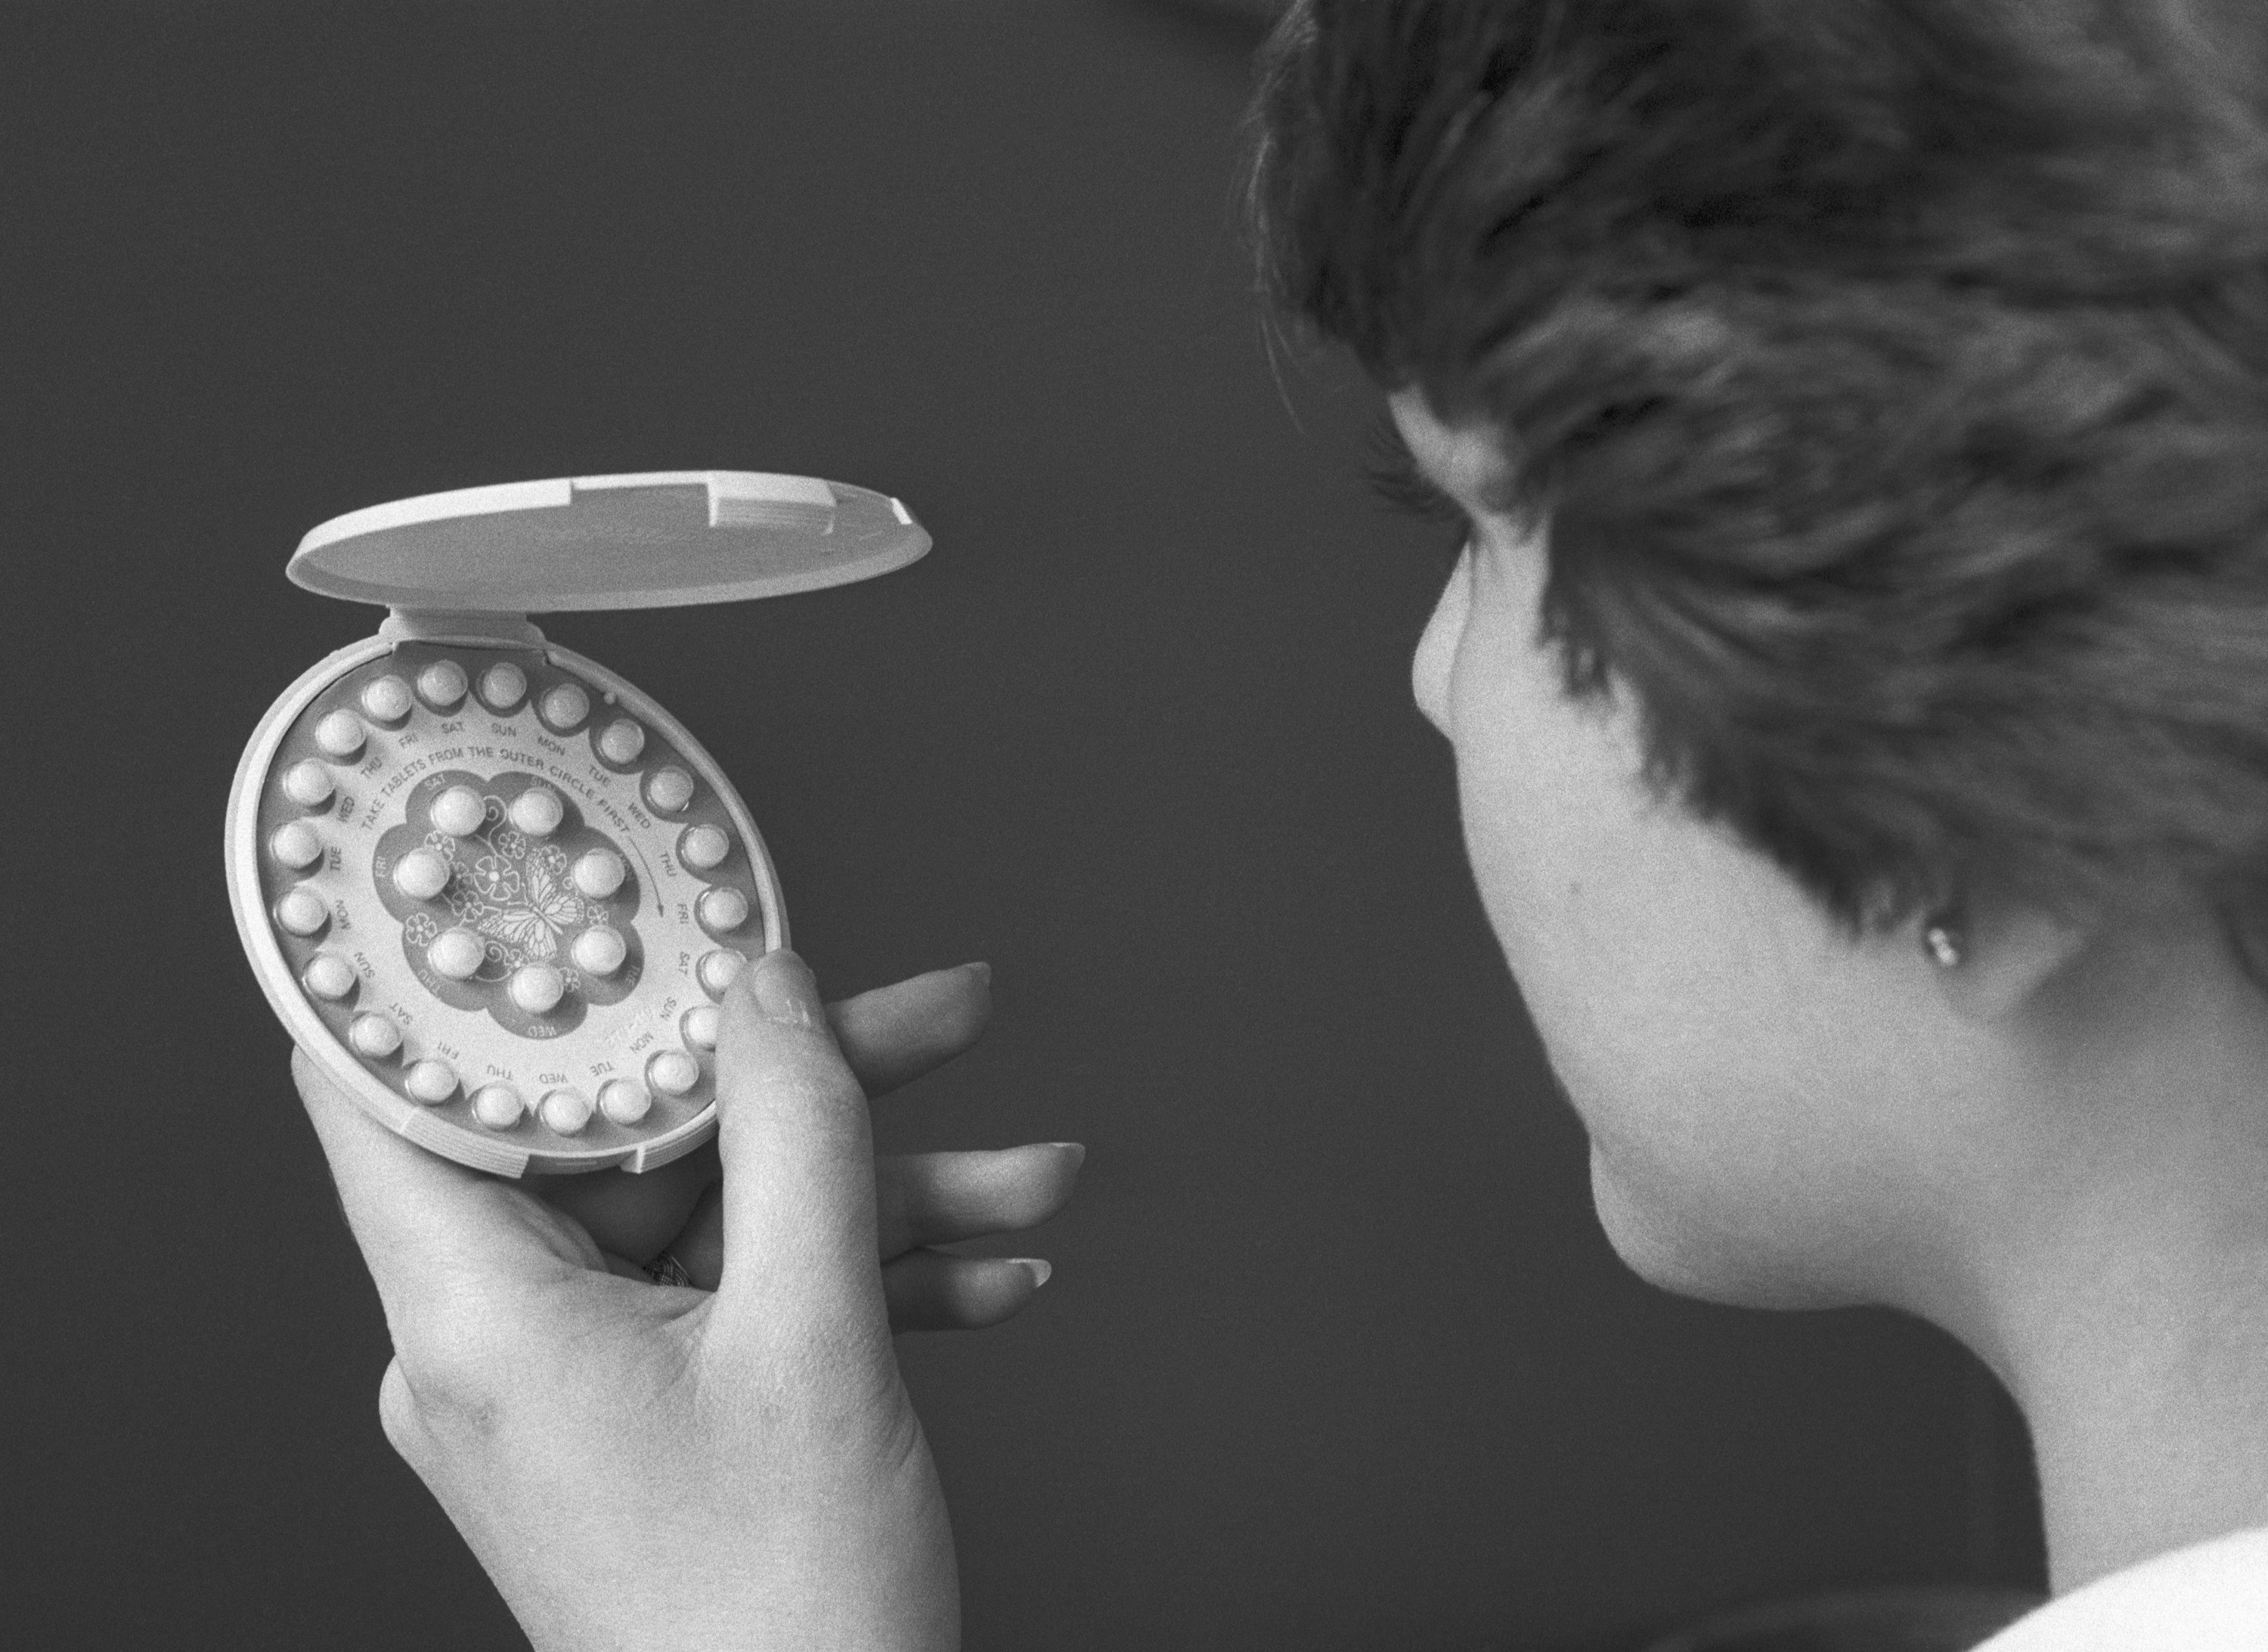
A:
(1859, 416)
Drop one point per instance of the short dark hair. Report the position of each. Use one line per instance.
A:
(1893, 375)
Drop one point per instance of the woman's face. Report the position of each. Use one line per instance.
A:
(1775, 1110)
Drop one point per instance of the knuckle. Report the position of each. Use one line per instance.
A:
(821, 1101)
(453, 1377)
(398, 1415)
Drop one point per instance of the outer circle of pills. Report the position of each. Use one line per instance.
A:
(430, 1082)
(457, 954)
(537, 811)
(503, 686)
(442, 684)
(565, 707)
(601, 950)
(374, 1036)
(599, 873)
(307, 783)
(497, 1106)
(422, 873)
(295, 845)
(672, 1072)
(621, 740)
(339, 735)
(718, 969)
(623, 1102)
(724, 908)
(458, 811)
(537, 988)
(387, 698)
(565, 1112)
(669, 790)
(302, 911)
(329, 976)
(700, 1026)
(705, 847)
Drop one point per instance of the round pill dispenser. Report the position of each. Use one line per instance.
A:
(490, 888)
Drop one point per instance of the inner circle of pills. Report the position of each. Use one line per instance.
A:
(423, 873)
(458, 811)
(601, 951)
(537, 811)
(537, 988)
(599, 873)
(457, 954)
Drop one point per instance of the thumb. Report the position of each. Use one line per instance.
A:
(799, 1158)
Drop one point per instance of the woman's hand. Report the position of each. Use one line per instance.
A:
(889, 1037)
(641, 1465)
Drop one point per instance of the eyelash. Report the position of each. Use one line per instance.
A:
(1394, 477)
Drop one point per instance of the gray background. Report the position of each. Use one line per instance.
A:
(1335, 1355)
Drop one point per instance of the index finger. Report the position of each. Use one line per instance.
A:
(889, 1036)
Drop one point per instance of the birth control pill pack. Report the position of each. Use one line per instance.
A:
(490, 888)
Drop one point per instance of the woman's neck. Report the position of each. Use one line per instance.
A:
(2119, 1283)
(2145, 1380)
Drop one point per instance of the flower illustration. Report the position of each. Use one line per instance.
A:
(494, 877)
(517, 894)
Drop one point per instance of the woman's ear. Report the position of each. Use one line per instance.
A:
(1991, 958)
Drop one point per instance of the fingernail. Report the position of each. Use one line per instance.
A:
(1041, 1269)
(1077, 1149)
(982, 971)
(782, 986)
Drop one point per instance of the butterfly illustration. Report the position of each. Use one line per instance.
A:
(523, 909)
(517, 894)
(549, 906)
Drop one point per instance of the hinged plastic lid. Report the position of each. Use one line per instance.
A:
(662, 539)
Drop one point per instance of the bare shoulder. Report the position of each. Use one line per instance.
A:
(2212, 1596)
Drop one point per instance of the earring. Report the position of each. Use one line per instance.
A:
(1941, 940)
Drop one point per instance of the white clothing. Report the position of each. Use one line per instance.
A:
(2212, 1596)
